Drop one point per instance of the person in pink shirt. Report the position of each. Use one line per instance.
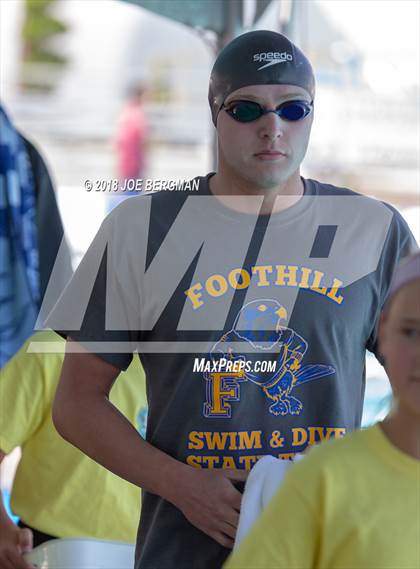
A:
(130, 141)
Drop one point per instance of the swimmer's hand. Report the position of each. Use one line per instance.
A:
(210, 501)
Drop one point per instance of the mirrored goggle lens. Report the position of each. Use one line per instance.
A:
(293, 110)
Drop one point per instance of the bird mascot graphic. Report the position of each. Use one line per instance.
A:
(260, 331)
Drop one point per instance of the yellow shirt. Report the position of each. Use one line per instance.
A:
(58, 490)
(350, 504)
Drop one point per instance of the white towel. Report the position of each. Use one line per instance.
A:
(262, 483)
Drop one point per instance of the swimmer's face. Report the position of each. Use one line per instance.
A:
(268, 151)
(399, 342)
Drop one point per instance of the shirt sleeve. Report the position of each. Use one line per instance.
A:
(285, 537)
(81, 312)
(399, 243)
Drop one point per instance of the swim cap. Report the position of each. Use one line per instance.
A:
(258, 58)
(407, 271)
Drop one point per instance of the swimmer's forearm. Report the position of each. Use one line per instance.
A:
(85, 417)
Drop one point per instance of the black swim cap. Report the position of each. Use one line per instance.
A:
(261, 57)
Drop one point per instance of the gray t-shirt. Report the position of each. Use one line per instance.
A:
(252, 330)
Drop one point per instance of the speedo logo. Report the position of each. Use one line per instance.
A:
(272, 58)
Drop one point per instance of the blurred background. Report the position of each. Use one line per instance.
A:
(67, 67)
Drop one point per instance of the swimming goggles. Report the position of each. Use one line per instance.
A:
(248, 111)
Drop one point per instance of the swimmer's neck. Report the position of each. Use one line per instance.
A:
(238, 194)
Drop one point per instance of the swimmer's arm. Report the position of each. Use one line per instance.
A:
(84, 416)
